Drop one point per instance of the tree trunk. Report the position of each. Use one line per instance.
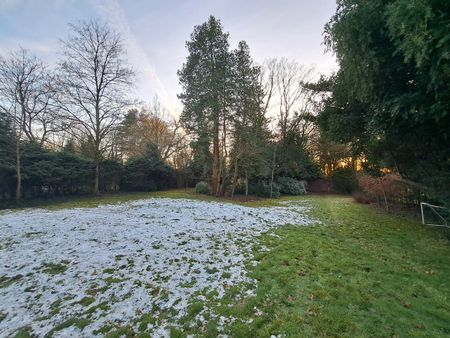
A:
(18, 172)
(246, 183)
(96, 189)
(97, 141)
(384, 194)
(221, 179)
(223, 158)
(215, 177)
(272, 174)
(233, 185)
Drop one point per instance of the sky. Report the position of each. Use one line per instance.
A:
(155, 33)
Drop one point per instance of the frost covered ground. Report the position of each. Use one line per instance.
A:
(145, 265)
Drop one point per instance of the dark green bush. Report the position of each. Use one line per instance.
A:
(147, 173)
(203, 188)
(343, 180)
(46, 172)
(262, 189)
(291, 186)
(240, 188)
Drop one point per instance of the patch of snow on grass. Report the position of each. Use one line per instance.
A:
(111, 264)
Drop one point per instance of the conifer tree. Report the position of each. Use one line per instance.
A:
(205, 79)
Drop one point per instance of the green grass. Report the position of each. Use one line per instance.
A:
(24, 332)
(7, 281)
(362, 273)
(55, 307)
(80, 323)
(92, 201)
(55, 268)
(86, 301)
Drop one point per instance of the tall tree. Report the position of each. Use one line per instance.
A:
(94, 81)
(293, 95)
(249, 122)
(151, 125)
(7, 154)
(205, 79)
(292, 100)
(26, 97)
(391, 94)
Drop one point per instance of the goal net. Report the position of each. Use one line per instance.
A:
(435, 215)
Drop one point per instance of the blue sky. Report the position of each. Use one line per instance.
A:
(155, 32)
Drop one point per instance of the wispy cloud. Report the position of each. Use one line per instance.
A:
(155, 32)
(40, 48)
(149, 83)
(8, 4)
(55, 4)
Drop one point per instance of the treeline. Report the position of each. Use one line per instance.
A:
(245, 128)
(145, 154)
(75, 129)
(237, 145)
(46, 172)
(390, 100)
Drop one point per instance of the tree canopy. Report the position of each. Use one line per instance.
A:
(390, 97)
(244, 127)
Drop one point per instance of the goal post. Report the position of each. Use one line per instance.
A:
(434, 215)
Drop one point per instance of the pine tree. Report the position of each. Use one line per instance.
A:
(7, 154)
(205, 78)
(249, 121)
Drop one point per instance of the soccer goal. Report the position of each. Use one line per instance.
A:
(434, 215)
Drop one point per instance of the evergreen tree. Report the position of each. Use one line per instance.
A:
(205, 79)
(250, 133)
(7, 155)
(147, 173)
(47, 172)
(391, 96)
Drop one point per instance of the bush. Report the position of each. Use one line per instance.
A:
(291, 186)
(46, 172)
(390, 188)
(343, 180)
(239, 189)
(361, 198)
(203, 188)
(262, 189)
(147, 173)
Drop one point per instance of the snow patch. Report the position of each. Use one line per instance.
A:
(113, 263)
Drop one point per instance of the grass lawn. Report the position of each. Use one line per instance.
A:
(361, 273)
(90, 201)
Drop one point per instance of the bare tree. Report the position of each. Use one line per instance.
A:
(26, 96)
(152, 124)
(94, 82)
(163, 130)
(267, 79)
(292, 94)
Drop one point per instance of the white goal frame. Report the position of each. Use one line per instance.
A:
(432, 207)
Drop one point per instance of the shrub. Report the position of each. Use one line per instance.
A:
(147, 173)
(50, 172)
(343, 180)
(203, 188)
(387, 188)
(239, 189)
(291, 186)
(361, 198)
(262, 189)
